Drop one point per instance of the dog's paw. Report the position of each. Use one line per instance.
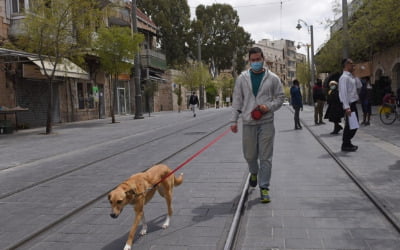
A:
(144, 230)
(166, 223)
(127, 247)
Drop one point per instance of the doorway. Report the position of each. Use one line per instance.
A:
(121, 101)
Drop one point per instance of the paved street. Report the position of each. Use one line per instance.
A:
(314, 203)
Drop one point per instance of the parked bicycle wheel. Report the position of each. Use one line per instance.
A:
(387, 114)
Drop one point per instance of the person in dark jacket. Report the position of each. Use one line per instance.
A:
(319, 101)
(297, 103)
(365, 99)
(193, 102)
(334, 112)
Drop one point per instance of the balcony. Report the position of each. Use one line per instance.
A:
(153, 59)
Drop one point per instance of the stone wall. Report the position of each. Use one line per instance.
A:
(387, 63)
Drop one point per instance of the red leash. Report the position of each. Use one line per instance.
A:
(192, 157)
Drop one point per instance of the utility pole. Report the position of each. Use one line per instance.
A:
(312, 56)
(309, 94)
(345, 29)
(311, 30)
(138, 91)
(200, 64)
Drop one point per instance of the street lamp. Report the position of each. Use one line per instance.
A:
(310, 30)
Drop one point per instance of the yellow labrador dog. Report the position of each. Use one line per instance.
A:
(137, 190)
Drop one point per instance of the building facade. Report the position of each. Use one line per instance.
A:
(282, 58)
(78, 93)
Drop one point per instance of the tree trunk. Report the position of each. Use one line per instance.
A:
(112, 98)
(49, 127)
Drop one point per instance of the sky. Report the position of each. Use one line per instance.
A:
(277, 19)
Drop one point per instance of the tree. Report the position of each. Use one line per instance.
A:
(211, 91)
(225, 83)
(116, 48)
(178, 92)
(371, 29)
(243, 42)
(55, 30)
(193, 76)
(173, 18)
(304, 76)
(222, 39)
(329, 57)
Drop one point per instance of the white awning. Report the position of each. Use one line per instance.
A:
(65, 68)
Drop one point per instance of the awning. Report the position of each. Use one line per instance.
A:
(65, 68)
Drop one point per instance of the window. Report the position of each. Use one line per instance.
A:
(90, 97)
(18, 6)
(81, 98)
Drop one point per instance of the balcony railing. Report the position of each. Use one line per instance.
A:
(153, 59)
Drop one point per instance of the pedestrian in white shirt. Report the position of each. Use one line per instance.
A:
(348, 85)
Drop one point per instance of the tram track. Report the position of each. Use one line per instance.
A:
(37, 233)
(382, 208)
(83, 166)
(231, 242)
(233, 231)
(390, 217)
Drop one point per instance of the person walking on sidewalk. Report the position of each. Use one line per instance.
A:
(319, 101)
(348, 85)
(297, 103)
(258, 93)
(365, 99)
(193, 102)
(334, 112)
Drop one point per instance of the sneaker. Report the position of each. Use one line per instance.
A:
(349, 148)
(265, 195)
(253, 180)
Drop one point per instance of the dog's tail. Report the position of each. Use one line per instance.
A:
(178, 180)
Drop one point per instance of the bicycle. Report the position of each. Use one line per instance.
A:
(388, 113)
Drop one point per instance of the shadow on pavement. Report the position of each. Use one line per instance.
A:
(209, 211)
(119, 243)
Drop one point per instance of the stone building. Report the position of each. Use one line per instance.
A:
(78, 93)
(282, 58)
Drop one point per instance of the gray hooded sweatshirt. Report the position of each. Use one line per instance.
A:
(270, 93)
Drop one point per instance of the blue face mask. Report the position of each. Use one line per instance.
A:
(257, 66)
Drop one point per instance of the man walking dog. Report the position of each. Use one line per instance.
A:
(257, 95)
